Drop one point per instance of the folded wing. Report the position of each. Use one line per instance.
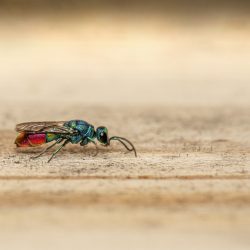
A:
(44, 127)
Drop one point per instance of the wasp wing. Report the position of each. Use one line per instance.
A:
(44, 127)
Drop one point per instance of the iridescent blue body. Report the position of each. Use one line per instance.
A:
(82, 132)
(85, 131)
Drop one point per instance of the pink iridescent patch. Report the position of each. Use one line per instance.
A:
(37, 139)
(25, 140)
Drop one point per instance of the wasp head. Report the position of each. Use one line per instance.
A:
(102, 135)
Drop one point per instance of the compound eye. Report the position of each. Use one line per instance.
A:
(103, 137)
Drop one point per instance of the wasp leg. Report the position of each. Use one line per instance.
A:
(58, 149)
(46, 149)
(97, 150)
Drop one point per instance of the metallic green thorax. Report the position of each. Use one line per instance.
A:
(83, 132)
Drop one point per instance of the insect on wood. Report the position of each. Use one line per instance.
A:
(32, 134)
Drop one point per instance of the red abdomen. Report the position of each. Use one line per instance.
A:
(30, 140)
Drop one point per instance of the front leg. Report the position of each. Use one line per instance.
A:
(85, 141)
(97, 150)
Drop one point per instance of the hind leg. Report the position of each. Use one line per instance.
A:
(58, 149)
(46, 149)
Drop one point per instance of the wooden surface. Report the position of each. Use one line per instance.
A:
(188, 188)
(176, 85)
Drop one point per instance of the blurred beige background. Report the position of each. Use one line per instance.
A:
(171, 76)
(152, 52)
